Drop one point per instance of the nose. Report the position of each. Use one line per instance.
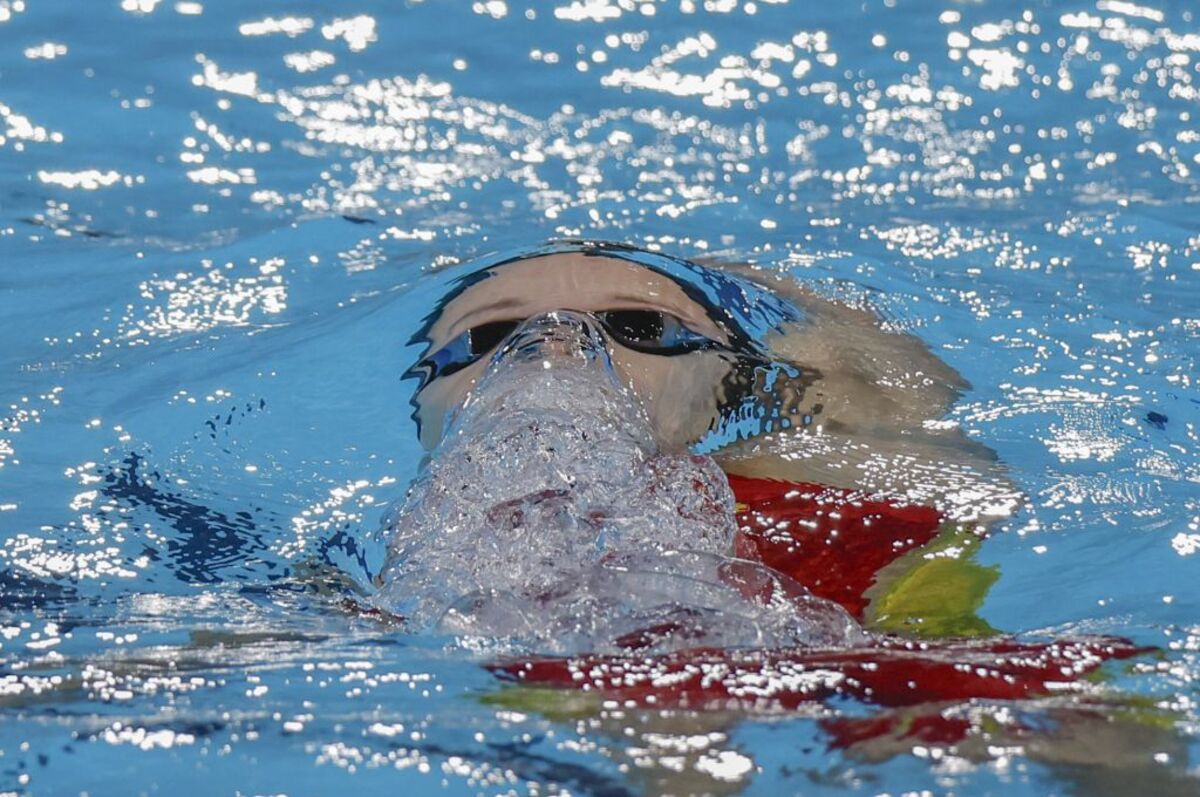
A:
(557, 338)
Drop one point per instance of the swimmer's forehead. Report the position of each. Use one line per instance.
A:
(568, 281)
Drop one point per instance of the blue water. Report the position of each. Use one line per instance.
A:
(218, 231)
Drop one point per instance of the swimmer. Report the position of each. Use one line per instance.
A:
(564, 395)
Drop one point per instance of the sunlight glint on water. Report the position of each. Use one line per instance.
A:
(220, 226)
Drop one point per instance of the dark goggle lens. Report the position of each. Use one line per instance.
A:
(652, 332)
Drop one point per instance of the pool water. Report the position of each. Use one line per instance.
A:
(221, 225)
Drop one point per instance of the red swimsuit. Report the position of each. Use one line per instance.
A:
(835, 542)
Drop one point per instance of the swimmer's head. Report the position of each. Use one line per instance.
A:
(676, 334)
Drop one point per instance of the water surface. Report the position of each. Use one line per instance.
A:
(220, 225)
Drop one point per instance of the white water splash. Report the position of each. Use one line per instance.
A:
(547, 517)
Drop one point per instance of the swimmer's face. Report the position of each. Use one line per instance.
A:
(664, 345)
